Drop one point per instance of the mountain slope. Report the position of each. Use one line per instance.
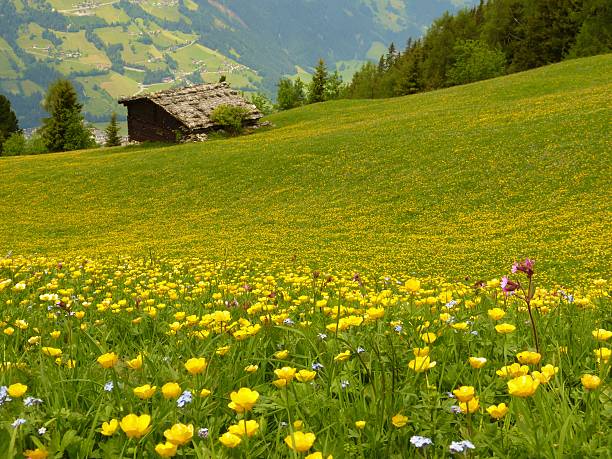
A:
(118, 47)
(461, 180)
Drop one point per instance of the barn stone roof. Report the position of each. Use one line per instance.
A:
(193, 105)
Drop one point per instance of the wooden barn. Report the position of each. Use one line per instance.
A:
(180, 114)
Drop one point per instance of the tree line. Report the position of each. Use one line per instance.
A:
(494, 38)
(63, 130)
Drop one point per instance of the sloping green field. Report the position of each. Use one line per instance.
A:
(458, 181)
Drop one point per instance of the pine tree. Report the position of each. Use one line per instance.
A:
(334, 87)
(316, 89)
(112, 133)
(8, 120)
(64, 130)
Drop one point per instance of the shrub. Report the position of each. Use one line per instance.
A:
(230, 117)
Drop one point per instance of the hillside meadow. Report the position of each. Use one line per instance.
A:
(418, 277)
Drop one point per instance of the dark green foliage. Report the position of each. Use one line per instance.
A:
(8, 121)
(316, 89)
(475, 61)
(112, 133)
(489, 40)
(261, 101)
(290, 94)
(64, 130)
(14, 145)
(230, 117)
(334, 86)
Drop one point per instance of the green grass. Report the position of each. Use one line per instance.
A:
(454, 182)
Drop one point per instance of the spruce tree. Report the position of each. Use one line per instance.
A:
(112, 133)
(8, 120)
(316, 89)
(64, 130)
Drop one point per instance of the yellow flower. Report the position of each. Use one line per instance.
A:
(513, 371)
(360, 424)
(529, 358)
(230, 440)
(464, 393)
(79, 314)
(281, 355)
(298, 424)
(205, 393)
(399, 420)
(523, 386)
(280, 383)
(461, 326)
(251, 368)
(136, 426)
(602, 334)
(9, 331)
(34, 340)
(222, 351)
(469, 407)
(55, 334)
(497, 411)
(413, 285)
(110, 427)
(590, 382)
(108, 360)
(171, 390)
(243, 400)
(195, 365)
(343, 356)
(248, 428)
(145, 392)
(305, 375)
(179, 434)
(51, 351)
(135, 364)
(165, 449)
(496, 313)
(17, 390)
(286, 373)
(317, 455)
(504, 329)
(477, 362)
(429, 337)
(421, 351)
(38, 453)
(602, 354)
(421, 364)
(300, 441)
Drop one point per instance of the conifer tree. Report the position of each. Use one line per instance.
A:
(316, 89)
(112, 133)
(8, 120)
(64, 130)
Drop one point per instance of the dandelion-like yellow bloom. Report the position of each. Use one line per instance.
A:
(496, 313)
(399, 420)
(135, 364)
(17, 390)
(529, 358)
(413, 285)
(243, 400)
(171, 390)
(523, 386)
(497, 411)
(251, 368)
(38, 453)
(421, 364)
(108, 360)
(145, 392)
(281, 355)
(136, 426)
(196, 365)
(205, 393)
(343, 356)
(470, 406)
(602, 334)
(513, 371)
(286, 373)
(360, 424)
(110, 427)
(590, 382)
(305, 375)
(248, 428)
(179, 434)
(504, 328)
(477, 362)
(166, 449)
(51, 351)
(602, 355)
(300, 441)
(230, 440)
(421, 351)
(464, 393)
(429, 337)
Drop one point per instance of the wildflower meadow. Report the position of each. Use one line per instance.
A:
(182, 357)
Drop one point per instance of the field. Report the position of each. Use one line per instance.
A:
(356, 281)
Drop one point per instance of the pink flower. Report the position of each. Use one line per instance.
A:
(507, 285)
